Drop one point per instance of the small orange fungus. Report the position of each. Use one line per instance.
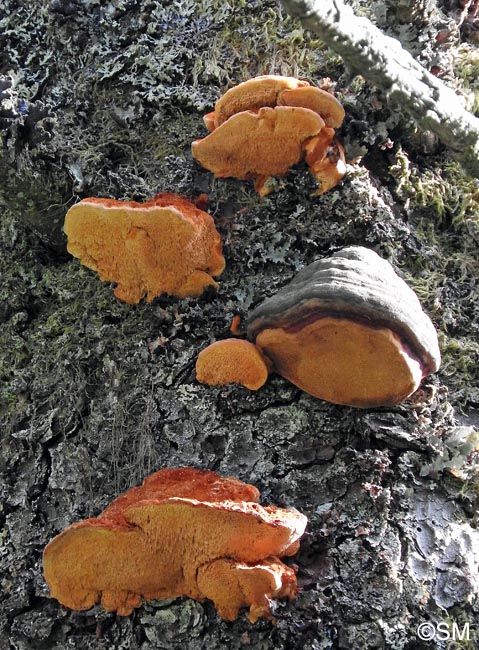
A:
(235, 327)
(232, 361)
(326, 160)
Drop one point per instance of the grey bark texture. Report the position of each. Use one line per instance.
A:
(103, 98)
(384, 62)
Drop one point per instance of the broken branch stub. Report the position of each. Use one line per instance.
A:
(384, 62)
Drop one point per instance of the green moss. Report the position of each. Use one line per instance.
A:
(459, 365)
(445, 190)
(14, 353)
(451, 305)
(442, 204)
(466, 67)
(8, 401)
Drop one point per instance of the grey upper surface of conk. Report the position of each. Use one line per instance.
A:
(356, 283)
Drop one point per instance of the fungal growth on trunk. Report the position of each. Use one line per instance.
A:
(183, 532)
(263, 126)
(325, 157)
(275, 90)
(232, 361)
(166, 245)
(349, 330)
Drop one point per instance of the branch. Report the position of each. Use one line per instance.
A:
(383, 61)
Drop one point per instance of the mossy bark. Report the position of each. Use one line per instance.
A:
(103, 99)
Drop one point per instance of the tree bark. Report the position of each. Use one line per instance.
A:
(103, 99)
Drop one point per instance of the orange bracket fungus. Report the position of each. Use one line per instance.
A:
(263, 126)
(166, 245)
(347, 329)
(275, 90)
(183, 532)
(232, 361)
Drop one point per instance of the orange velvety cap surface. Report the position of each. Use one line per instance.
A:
(317, 100)
(343, 361)
(266, 142)
(232, 361)
(165, 245)
(275, 90)
(151, 544)
(253, 94)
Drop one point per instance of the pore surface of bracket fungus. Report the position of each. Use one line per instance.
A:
(232, 361)
(263, 142)
(263, 126)
(183, 532)
(165, 245)
(349, 330)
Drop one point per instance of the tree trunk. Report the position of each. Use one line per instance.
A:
(104, 99)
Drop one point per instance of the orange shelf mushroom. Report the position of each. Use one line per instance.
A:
(346, 329)
(276, 90)
(232, 361)
(183, 532)
(263, 126)
(266, 142)
(165, 245)
(349, 330)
